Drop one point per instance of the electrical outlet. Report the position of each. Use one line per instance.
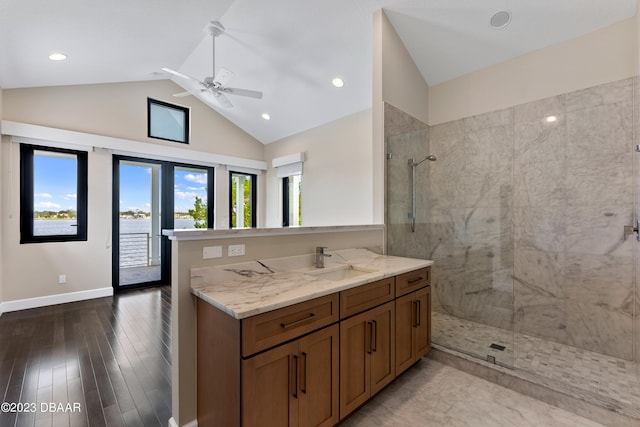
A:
(211, 252)
(62, 279)
(236, 250)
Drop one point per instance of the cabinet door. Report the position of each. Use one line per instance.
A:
(405, 335)
(355, 387)
(423, 328)
(270, 389)
(383, 331)
(318, 378)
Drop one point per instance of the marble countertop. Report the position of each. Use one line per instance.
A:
(246, 289)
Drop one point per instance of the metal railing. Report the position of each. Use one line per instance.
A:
(134, 250)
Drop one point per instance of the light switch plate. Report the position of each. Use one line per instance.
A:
(236, 250)
(211, 252)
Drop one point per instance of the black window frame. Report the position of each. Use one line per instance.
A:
(254, 198)
(183, 110)
(27, 208)
(285, 201)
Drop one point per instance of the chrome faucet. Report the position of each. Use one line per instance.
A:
(320, 256)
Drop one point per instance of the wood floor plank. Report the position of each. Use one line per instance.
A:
(110, 357)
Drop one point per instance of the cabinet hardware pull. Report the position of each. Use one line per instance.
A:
(370, 327)
(412, 281)
(295, 388)
(303, 388)
(418, 315)
(296, 322)
(374, 335)
(414, 314)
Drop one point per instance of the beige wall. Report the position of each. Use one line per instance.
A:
(337, 173)
(188, 254)
(1, 205)
(397, 81)
(117, 110)
(602, 56)
(120, 110)
(402, 83)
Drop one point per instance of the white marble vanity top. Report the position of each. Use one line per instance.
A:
(246, 289)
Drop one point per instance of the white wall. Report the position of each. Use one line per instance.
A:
(116, 110)
(602, 56)
(337, 173)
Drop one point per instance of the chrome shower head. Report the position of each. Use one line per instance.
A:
(430, 157)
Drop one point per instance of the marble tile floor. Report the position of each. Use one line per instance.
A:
(434, 394)
(599, 379)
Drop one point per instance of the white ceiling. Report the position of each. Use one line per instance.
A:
(288, 49)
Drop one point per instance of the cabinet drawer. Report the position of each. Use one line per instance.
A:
(275, 327)
(361, 298)
(409, 282)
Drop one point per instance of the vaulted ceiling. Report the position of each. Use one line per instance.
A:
(288, 49)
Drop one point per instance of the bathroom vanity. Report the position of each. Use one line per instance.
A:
(281, 342)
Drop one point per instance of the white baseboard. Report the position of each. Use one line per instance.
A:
(172, 423)
(23, 304)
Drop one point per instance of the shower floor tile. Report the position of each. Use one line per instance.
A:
(603, 379)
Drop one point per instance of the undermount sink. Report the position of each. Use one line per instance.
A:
(341, 272)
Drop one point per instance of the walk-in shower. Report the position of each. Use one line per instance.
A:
(413, 164)
(525, 228)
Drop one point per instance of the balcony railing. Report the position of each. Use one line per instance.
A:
(134, 250)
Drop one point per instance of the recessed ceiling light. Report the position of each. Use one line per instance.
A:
(266, 116)
(57, 57)
(337, 82)
(551, 119)
(500, 19)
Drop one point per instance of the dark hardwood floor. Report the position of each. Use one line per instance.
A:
(109, 357)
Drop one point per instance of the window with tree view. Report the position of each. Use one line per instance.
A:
(291, 201)
(242, 203)
(53, 188)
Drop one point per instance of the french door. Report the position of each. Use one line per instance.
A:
(149, 196)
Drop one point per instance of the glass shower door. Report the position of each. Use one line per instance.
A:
(462, 222)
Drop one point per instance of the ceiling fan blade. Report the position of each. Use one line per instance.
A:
(243, 92)
(223, 76)
(223, 100)
(179, 74)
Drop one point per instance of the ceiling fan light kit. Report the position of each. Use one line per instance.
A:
(215, 84)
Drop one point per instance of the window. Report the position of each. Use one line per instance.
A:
(53, 194)
(167, 121)
(242, 200)
(291, 201)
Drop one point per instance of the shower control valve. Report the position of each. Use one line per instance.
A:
(630, 229)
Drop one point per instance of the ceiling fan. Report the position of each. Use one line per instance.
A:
(215, 85)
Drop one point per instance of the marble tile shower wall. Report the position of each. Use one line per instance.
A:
(524, 218)
(406, 138)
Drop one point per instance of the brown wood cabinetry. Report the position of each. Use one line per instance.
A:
(367, 355)
(312, 363)
(294, 384)
(413, 328)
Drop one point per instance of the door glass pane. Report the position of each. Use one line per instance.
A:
(139, 222)
(190, 198)
(295, 198)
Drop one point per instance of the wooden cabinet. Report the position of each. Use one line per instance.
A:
(367, 355)
(294, 384)
(413, 328)
(312, 363)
